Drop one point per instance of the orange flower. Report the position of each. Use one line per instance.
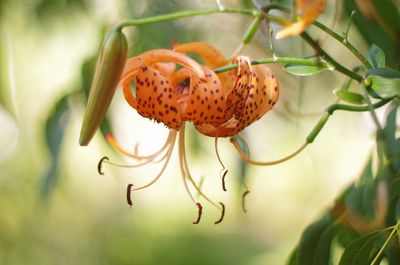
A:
(309, 10)
(219, 105)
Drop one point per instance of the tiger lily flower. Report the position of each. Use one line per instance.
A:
(219, 105)
(309, 11)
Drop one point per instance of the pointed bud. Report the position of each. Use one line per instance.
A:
(109, 67)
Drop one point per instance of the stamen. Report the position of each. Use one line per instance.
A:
(222, 214)
(114, 143)
(247, 159)
(223, 170)
(200, 185)
(199, 212)
(243, 200)
(185, 169)
(100, 164)
(168, 156)
(223, 180)
(128, 195)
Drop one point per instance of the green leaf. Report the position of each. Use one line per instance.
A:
(55, 128)
(384, 87)
(359, 252)
(307, 70)
(348, 96)
(390, 143)
(315, 243)
(397, 213)
(293, 257)
(376, 57)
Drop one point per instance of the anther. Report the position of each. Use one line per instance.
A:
(223, 180)
(222, 214)
(243, 200)
(128, 195)
(199, 212)
(100, 164)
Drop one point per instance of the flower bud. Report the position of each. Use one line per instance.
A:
(109, 68)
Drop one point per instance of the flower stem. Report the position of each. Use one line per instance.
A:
(310, 62)
(343, 41)
(334, 107)
(340, 68)
(183, 14)
(392, 234)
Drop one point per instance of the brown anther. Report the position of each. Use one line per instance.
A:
(100, 164)
(128, 195)
(199, 212)
(243, 200)
(222, 214)
(223, 180)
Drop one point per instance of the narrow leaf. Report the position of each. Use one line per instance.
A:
(55, 128)
(359, 251)
(315, 243)
(350, 97)
(376, 57)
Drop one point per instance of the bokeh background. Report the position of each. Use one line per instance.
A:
(56, 209)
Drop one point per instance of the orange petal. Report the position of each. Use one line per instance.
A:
(262, 96)
(213, 58)
(162, 55)
(309, 11)
(204, 100)
(156, 98)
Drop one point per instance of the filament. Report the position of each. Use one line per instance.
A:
(185, 168)
(115, 144)
(247, 159)
(238, 50)
(171, 148)
(223, 171)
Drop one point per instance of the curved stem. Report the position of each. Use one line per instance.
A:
(343, 41)
(183, 14)
(310, 62)
(340, 68)
(334, 107)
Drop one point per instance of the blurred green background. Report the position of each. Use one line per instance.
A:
(56, 209)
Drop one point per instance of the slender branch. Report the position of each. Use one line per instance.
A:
(343, 41)
(310, 62)
(340, 68)
(394, 231)
(188, 13)
(334, 107)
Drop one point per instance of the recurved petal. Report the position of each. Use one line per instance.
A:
(156, 97)
(212, 56)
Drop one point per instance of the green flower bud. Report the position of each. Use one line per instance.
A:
(109, 68)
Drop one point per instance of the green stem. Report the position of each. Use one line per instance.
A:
(334, 107)
(340, 68)
(188, 13)
(310, 62)
(370, 107)
(343, 41)
(394, 231)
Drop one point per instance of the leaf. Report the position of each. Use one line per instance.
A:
(349, 96)
(293, 257)
(391, 144)
(55, 128)
(306, 70)
(384, 87)
(315, 243)
(359, 251)
(376, 57)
